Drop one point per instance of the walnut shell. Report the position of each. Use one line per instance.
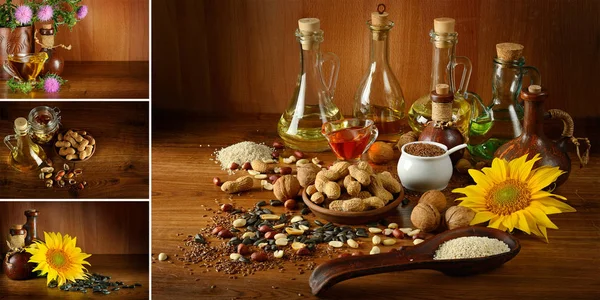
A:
(286, 187)
(406, 138)
(307, 173)
(425, 217)
(435, 198)
(380, 153)
(459, 216)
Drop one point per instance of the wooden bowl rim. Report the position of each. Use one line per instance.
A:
(77, 160)
(351, 214)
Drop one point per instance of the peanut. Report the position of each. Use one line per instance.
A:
(332, 190)
(362, 176)
(374, 202)
(62, 144)
(352, 186)
(83, 145)
(239, 185)
(337, 205)
(364, 195)
(66, 151)
(259, 166)
(90, 139)
(71, 157)
(341, 168)
(389, 182)
(354, 204)
(317, 198)
(376, 188)
(311, 189)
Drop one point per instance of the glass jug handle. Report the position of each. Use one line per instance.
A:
(534, 75)
(7, 141)
(466, 74)
(333, 73)
(10, 70)
(374, 135)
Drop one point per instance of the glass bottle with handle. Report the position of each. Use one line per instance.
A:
(25, 155)
(444, 39)
(379, 96)
(494, 124)
(312, 102)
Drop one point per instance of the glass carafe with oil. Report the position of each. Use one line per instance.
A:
(379, 96)
(25, 155)
(444, 40)
(495, 124)
(312, 102)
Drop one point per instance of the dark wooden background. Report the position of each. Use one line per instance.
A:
(100, 227)
(232, 57)
(120, 166)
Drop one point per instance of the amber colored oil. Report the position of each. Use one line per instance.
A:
(420, 114)
(349, 143)
(27, 156)
(28, 66)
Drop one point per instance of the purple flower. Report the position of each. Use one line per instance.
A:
(82, 11)
(45, 13)
(51, 85)
(23, 14)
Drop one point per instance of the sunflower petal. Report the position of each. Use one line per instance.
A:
(544, 194)
(471, 191)
(557, 203)
(481, 217)
(501, 167)
(540, 217)
(544, 233)
(548, 210)
(496, 222)
(480, 178)
(543, 176)
(522, 223)
(514, 166)
(525, 170)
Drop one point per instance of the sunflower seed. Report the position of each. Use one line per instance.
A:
(374, 230)
(375, 250)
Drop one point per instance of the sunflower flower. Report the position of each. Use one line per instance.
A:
(59, 258)
(509, 195)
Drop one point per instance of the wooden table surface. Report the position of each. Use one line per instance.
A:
(129, 269)
(118, 169)
(183, 193)
(113, 80)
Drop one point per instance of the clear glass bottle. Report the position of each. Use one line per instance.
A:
(379, 96)
(45, 122)
(26, 155)
(444, 40)
(312, 102)
(495, 124)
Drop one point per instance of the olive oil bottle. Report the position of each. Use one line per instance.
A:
(25, 155)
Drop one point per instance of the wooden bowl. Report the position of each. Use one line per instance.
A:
(56, 149)
(352, 218)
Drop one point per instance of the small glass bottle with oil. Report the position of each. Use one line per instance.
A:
(379, 96)
(25, 155)
(444, 40)
(312, 102)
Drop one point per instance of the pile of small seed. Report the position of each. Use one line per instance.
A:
(424, 150)
(96, 282)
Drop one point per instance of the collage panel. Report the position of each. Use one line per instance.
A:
(74, 150)
(75, 49)
(105, 242)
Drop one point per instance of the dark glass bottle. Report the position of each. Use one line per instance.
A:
(55, 62)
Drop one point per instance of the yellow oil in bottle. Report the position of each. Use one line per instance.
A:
(420, 113)
(304, 133)
(27, 156)
(28, 67)
(389, 122)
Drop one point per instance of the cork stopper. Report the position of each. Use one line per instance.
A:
(17, 227)
(378, 19)
(509, 51)
(21, 124)
(309, 25)
(442, 89)
(535, 89)
(47, 26)
(443, 25)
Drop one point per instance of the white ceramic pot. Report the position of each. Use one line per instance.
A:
(421, 174)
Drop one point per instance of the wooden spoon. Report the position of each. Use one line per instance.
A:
(417, 257)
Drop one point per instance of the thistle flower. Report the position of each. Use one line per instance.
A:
(51, 85)
(23, 14)
(45, 13)
(82, 11)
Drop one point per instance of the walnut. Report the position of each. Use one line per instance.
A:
(286, 187)
(459, 216)
(435, 198)
(307, 174)
(425, 217)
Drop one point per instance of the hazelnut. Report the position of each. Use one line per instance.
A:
(226, 207)
(303, 251)
(259, 256)
(463, 165)
(270, 234)
(290, 204)
(243, 249)
(247, 166)
(234, 166)
(380, 153)
(480, 165)
(217, 181)
(435, 198)
(216, 230)
(425, 217)
(225, 234)
(285, 170)
(298, 154)
(459, 216)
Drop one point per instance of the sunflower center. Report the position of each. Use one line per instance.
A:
(507, 197)
(57, 259)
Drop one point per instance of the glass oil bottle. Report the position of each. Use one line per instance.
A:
(444, 40)
(495, 124)
(312, 102)
(26, 155)
(379, 96)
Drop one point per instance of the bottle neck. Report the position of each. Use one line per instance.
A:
(379, 50)
(443, 60)
(506, 82)
(533, 122)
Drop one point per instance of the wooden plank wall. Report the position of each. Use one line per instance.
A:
(234, 56)
(114, 30)
(100, 227)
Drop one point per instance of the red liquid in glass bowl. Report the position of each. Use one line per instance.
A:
(350, 138)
